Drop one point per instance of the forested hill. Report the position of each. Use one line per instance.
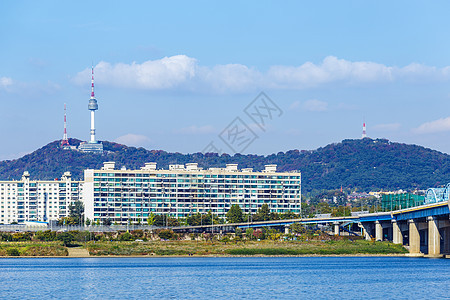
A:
(363, 164)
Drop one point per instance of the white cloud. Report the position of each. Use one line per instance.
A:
(330, 70)
(5, 82)
(164, 73)
(183, 72)
(439, 125)
(196, 129)
(132, 139)
(387, 127)
(315, 105)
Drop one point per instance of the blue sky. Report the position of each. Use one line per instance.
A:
(174, 75)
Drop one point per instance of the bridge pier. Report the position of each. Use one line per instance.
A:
(414, 238)
(434, 238)
(397, 236)
(286, 229)
(446, 236)
(336, 228)
(366, 234)
(378, 231)
(365, 231)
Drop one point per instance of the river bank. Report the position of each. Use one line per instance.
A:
(247, 248)
(202, 248)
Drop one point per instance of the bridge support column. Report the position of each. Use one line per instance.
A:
(364, 232)
(434, 238)
(414, 238)
(446, 237)
(336, 228)
(378, 231)
(286, 229)
(397, 237)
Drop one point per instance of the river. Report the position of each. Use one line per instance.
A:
(225, 278)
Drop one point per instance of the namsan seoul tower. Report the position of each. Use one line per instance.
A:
(92, 145)
(93, 106)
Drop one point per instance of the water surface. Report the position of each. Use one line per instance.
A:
(225, 278)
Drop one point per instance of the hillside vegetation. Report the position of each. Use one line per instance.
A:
(363, 164)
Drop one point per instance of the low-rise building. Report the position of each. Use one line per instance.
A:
(123, 196)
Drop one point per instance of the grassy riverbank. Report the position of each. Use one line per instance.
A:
(335, 246)
(32, 249)
(167, 248)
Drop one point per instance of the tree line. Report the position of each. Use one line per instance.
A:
(363, 164)
(234, 215)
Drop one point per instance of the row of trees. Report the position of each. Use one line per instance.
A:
(365, 164)
(66, 238)
(234, 215)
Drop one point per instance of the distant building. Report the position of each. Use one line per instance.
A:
(132, 195)
(37, 200)
(91, 147)
(354, 196)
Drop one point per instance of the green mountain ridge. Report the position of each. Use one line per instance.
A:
(364, 164)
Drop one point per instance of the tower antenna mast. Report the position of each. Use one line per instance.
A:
(364, 135)
(65, 141)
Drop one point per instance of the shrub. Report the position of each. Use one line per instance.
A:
(225, 239)
(47, 235)
(66, 237)
(21, 236)
(13, 252)
(126, 237)
(80, 236)
(166, 234)
(138, 234)
(249, 233)
(258, 234)
(6, 236)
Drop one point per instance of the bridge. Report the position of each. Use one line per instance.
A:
(424, 230)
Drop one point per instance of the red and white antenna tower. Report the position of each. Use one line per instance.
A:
(364, 135)
(65, 140)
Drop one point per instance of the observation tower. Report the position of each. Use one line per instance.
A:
(92, 145)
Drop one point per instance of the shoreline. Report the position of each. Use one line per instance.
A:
(216, 256)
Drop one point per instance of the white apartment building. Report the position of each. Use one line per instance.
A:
(122, 195)
(37, 200)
